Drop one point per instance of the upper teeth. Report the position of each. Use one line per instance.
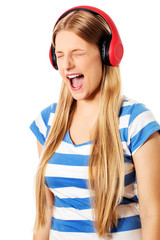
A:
(73, 76)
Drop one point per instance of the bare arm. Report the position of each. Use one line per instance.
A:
(43, 233)
(147, 164)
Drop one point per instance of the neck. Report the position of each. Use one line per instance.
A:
(88, 106)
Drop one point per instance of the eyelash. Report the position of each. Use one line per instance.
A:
(75, 54)
(79, 54)
(58, 57)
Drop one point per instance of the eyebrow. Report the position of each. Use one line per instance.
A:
(74, 50)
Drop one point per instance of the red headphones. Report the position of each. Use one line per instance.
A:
(111, 50)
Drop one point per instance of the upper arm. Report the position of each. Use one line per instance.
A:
(147, 165)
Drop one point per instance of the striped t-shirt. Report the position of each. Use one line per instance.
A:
(67, 177)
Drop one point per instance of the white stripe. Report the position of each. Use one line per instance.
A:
(72, 214)
(129, 102)
(128, 210)
(55, 170)
(126, 149)
(54, 235)
(123, 121)
(80, 172)
(126, 235)
(68, 148)
(139, 123)
(41, 125)
(51, 119)
(129, 167)
(130, 190)
(135, 189)
(71, 192)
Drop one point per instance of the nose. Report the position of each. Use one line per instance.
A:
(68, 62)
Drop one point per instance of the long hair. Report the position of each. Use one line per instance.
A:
(106, 163)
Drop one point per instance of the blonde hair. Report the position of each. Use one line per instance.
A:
(106, 164)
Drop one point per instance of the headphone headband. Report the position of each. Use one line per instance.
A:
(111, 53)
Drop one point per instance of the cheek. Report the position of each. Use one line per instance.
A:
(61, 72)
(96, 79)
(98, 68)
(96, 71)
(96, 63)
(62, 75)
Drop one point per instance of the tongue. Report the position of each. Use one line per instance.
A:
(76, 82)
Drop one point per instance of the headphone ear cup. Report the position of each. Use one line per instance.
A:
(105, 52)
(52, 57)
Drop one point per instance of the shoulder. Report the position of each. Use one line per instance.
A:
(137, 123)
(42, 123)
(135, 111)
(47, 113)
(132, 107)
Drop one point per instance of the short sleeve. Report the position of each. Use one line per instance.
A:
(142, 124)
(41, 125)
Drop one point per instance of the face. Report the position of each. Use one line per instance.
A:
(79, 64)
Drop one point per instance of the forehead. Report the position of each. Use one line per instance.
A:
(68, 39)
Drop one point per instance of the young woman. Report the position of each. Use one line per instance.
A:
(98, 176)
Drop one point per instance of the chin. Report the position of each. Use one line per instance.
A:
(78, 97)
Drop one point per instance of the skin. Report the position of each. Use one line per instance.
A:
(147, 158)
(74, 55)
(147, 165)
(79, 56)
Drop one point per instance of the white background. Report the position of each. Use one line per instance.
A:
(28, 84)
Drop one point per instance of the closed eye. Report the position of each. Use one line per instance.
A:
(59, 56)
(78, 54)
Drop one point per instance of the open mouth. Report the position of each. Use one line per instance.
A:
(76, 81)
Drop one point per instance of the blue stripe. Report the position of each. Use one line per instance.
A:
(59, 182)
(125, 110)
(128, 159)
(129, 200)
(78, 203)
(143, 135)
(37, 133)
(69, 159)
(53, 107)
(130, 178)
(137, 109)
(127, 224)
(124, 134)
(68, 139)
(84, 226)
(84, 203)
(46, 114)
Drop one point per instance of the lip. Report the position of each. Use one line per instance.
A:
(71, 74)
(70, 84)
